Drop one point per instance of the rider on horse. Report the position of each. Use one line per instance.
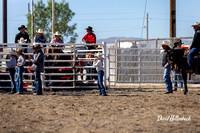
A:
(195, 47)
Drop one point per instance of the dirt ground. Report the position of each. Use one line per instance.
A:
(123, 111)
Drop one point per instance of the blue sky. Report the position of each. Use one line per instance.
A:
(115, 18)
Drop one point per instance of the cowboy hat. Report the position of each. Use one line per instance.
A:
(89, 28)
(40, 31)
(99, 47)
(13, 53)
(22, 26)
(22, 40)
(57, 33)
(36, 45)
(98, 55)
(166, 43)
(197, 24)
(179, 41)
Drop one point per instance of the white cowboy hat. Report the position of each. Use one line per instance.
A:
(57, 33)
(98, 55)
(13, 53)
(165, 43)
(197, 24)
(36, 45)
(22, 40)
(40, 31)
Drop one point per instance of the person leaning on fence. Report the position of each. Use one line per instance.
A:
(98, 64)
(57, 39)
(23, 34)
(176, 74)
(90, 38)
(195, 47)
(37, 67)
(40, 37)
(20, 70)
(11, 68)
(166, 67)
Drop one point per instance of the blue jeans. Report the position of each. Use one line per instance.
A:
(19, 78)
(89, 71)
(12, 78)
(100, 83)
(177, 76)
(38, 83)
(167, 79)
(191, 55)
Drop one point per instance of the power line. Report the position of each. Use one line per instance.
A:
(144, 17)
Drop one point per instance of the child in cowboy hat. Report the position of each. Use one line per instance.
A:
(98, 64)
(20, 70)
(37, 67)
(11, 68)
(166, 67)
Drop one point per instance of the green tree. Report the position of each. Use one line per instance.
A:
(62, 16)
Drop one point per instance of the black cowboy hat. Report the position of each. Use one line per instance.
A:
(89, 28)
(178, 42)
(22, 26)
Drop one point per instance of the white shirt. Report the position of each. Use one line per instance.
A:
(98, 65)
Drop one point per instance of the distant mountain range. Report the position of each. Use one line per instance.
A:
(111, 40)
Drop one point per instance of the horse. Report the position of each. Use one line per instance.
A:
(54, 56)
(177, 59)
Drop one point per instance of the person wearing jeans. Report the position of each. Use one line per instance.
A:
(177, 76)
(20, 70)
(195, 47)
(166, 67)
(11, 68)
(98, 64)
(37, 67)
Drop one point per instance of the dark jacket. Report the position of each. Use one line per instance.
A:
(165, 61)
(38, 61)
(196, 40)
(25, 36)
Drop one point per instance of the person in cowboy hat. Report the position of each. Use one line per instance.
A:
(166, 67)
(98, 64)
(90, 38)
(40, 37)
(37, 67)
(176, 74)
(23, 34)
(195, 47)
(11, 68)
(57, 39)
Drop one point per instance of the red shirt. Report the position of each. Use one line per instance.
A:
(90, 38)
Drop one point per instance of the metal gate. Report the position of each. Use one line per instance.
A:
(69, 69)
(137, 68)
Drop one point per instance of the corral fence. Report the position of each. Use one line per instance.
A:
(67, 69)
(137, 64)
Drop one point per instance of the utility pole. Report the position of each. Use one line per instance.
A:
(32, 21)
(4, 21)
(147, 26)
(52, 18)
(172, 18)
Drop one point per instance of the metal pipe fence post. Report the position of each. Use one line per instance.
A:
(43, 76)
(109, 68)
(139, 68)
(104, 52)
(74, 68)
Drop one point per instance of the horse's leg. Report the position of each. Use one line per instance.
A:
(184, 75)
